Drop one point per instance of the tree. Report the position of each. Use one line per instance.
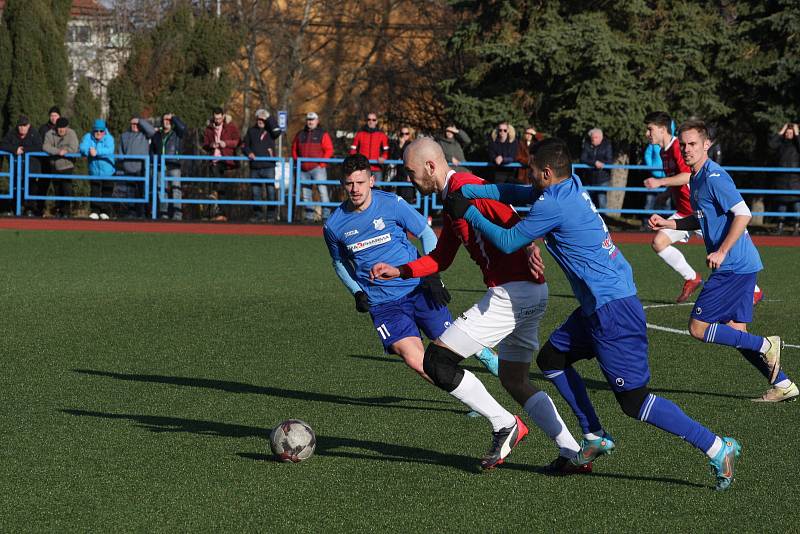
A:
(36, 34)
(86, 108)
(5, 71)
(178, 66)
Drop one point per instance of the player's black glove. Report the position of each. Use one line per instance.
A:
(435, 287)
(362, 304)
(456, 205)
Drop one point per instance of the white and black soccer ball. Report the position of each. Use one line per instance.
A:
(293, 441)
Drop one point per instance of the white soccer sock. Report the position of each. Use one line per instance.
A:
(765, 345)
(785, 383)
(591, 435)
(757, 289)
(473, 393)
(715, 448)
(543, 412)
(674, 258)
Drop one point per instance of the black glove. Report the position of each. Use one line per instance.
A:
(456, 205)
(362, 303)
(435, 287)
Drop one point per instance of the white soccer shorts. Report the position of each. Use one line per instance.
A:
(680, 236)
(507, 317)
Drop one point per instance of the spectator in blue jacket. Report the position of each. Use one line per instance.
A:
(98, 147)
(597, 153)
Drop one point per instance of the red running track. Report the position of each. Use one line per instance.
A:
(157, 227)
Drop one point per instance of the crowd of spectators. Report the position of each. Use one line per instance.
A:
(125, 161)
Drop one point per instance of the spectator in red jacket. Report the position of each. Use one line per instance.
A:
(221, 138)
(313, 142)
(373, 143)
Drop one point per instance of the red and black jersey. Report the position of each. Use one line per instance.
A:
(672, 162)
(498, 268)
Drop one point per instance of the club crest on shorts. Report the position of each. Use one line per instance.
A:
(620, 382)
(698, 310)
(378, 223)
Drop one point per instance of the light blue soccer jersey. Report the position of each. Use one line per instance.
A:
(713, 194)
(575, 235)
(378, 234)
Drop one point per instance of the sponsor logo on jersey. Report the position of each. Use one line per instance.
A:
(712, 175)
(699, 214)
(378, 223)
(351, 233)
(371, 242)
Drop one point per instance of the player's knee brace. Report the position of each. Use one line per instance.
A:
(631, 401)
(441, 365)
(551, 359)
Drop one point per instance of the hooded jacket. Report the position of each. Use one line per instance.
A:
(229, 134)
(103, 163)
(371, 142)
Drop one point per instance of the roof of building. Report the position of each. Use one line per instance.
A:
(80, 8)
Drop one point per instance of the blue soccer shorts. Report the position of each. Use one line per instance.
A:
(406, 316)
(615, 334)
(726, 296)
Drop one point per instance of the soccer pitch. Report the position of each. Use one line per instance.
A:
(142, 374)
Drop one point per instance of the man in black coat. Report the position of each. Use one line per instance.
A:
(259, 142)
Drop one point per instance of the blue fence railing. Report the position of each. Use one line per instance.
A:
(290, 181)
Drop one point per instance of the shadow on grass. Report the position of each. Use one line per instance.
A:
(334, 446)
(386, 401)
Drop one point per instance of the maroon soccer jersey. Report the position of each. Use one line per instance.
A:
(673, 164)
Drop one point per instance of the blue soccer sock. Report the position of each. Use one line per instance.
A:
(757, 360)
(570, 384)
(722, 334)
(666, 415)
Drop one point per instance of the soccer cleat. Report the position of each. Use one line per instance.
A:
(758, 296)
(489, 360)
(776, 394)
(564, 466)
(93, 216)
(592, 448)
(722, 465)
(503, 442)
(689, 287)
(773, 357)
(104, 217)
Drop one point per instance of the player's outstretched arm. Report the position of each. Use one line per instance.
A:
(506, 193)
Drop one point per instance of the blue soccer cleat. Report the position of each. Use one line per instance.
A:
(592, 448)
(489, 360)
(722, 465)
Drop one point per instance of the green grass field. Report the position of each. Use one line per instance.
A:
(142, 374)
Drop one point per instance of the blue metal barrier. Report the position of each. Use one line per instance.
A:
(28, 175)
(292, 184)
(10, 175)
(161, 183)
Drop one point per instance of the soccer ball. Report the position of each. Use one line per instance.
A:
(293, 441)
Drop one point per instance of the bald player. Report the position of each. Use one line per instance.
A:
(507, 316)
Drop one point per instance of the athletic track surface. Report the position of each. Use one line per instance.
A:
(83, 225)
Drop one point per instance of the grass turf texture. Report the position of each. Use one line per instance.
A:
(142, 374)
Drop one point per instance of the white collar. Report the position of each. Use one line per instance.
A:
(450, 173)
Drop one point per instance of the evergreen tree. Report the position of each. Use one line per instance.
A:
(173, 68)
(86, 108)
(38, 55)
(5, 72)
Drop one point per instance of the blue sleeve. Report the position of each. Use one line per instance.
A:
(86, 144)
(106, 147)
(506, 193)
(332, 244)
(428, 238)
(506, 240)
(346, 276)
(725, 192)
(409, 218)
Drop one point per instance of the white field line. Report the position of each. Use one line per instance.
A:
(686, 332)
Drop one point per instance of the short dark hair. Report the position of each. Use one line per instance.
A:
(695, 124)
(356, 162)
(217, 110)
(553, 153)
(659, 118)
